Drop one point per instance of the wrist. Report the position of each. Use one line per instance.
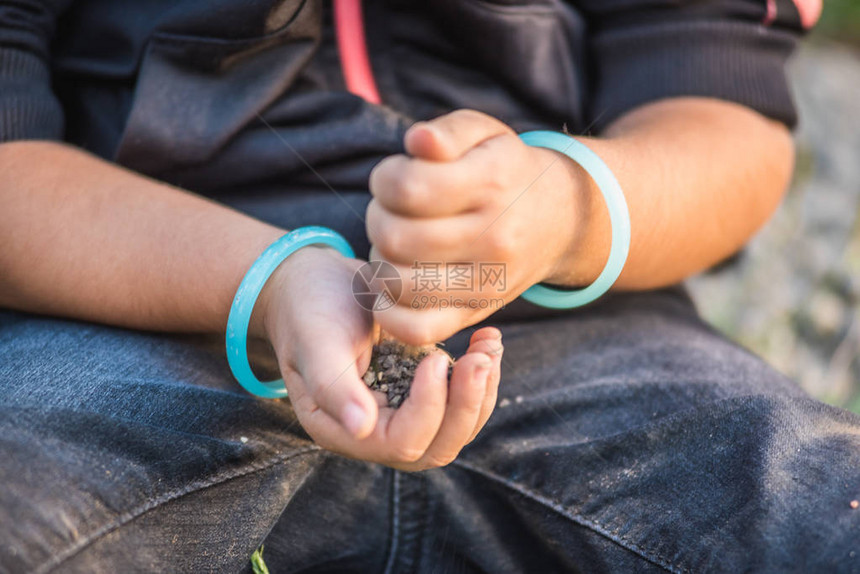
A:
(281, 296)
(269, 311)
(258, 326)
(586, 229)
(245, 249)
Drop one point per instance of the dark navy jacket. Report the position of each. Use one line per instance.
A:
(184, 90)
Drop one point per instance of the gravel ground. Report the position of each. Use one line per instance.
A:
(792, 295)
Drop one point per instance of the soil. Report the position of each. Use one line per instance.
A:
(392, 369)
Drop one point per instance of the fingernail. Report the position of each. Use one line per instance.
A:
(433, 131)
(491, 347)
(441, 367)
(354, 418)
(495, 343)
(417, 126)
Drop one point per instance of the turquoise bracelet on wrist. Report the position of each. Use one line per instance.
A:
(619, 217)
(249, 290)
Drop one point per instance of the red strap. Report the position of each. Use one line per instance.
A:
(352, 46)
(809, 11)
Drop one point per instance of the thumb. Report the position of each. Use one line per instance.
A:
(331, 374)
(450, 137)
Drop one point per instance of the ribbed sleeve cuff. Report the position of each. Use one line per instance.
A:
(28, 107)
(738, 62)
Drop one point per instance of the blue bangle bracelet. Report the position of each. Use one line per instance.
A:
(619, 217)
(249, 290)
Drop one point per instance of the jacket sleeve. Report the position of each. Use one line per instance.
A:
(28, 107)
(735, 50)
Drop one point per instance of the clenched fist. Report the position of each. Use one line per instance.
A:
(470, 191)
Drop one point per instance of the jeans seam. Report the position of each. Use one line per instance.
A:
(425, 522)
(649, 555)
(395, 522)
(142, 509)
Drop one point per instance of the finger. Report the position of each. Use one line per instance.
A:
(333, 383)
(422, 188)
(395, 442)
(488, 340)
(433, 284)
(329, 434)
(465, 395)
(427, 324)
(413, 426)
(485, 174)
(406, 240)
(449, 137)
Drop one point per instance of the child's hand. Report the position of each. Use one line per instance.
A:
(323, 340)
(469, 191)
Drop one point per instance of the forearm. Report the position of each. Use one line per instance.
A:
(700, 177)
(86, 239)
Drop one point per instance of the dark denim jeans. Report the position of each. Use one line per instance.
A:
(629, 437)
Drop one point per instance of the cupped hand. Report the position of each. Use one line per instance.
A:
(469, 191)
(323, 340)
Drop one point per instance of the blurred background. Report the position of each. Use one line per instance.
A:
(793, 295)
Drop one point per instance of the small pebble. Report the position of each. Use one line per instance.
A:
(519, 399)
(244, 439)
(855, 504)
(395, 364)
(504, 403)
